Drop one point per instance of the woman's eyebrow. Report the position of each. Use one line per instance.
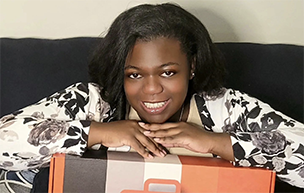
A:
(169, 64)
(161, 66)
(131, 67)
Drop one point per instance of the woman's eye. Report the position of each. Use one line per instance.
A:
(135, 76)
(167, 74)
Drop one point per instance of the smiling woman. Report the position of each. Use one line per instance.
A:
(156, 83)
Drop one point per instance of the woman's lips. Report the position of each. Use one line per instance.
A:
(155, 107)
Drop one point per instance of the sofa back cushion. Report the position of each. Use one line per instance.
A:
(32, 69)
(272, 73)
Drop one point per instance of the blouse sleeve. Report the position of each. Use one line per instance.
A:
(263, 137)
(59, 123)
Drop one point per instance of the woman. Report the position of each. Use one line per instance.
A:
(156, 83)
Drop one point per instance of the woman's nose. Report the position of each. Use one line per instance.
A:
(152, 86)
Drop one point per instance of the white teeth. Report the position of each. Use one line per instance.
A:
(154, 105)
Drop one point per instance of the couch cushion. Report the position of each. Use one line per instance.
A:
(32, 69)
(272, 73)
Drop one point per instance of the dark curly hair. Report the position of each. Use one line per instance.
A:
(147, 22)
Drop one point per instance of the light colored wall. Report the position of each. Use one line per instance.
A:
(261, 21)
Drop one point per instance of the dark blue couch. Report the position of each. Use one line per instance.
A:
(31, 69)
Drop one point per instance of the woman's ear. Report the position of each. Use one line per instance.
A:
(192, 70)
(192, 75)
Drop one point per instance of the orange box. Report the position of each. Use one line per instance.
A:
(130, 173)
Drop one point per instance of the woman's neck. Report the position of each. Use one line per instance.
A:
(182, 113)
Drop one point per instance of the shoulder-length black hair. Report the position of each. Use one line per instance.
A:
(146, 22)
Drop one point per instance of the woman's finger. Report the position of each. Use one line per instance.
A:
(137, 146)
(166, 140)
(151, 145)
(148, 143)
(162, 133)
(155, 127)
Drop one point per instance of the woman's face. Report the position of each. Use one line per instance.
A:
(156, 79)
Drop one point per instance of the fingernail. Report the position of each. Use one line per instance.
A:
(162, 154)
(150, 156)
(156, 139)
(142, 124)
(147, 132)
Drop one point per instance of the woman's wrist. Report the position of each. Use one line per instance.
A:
(222, 146)
(94, 134)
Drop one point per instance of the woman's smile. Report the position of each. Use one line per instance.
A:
(155, 107)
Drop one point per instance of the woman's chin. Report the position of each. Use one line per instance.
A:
(155, 119)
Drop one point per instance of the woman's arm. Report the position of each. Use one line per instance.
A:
(59, 123)
(263, 137)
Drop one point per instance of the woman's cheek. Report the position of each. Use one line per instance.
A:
(132, 89)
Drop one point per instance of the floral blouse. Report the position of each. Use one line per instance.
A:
(261, 136)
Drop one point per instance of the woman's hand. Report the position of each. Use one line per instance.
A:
(126, 132)
(190, 136)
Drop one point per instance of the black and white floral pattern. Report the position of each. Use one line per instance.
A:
(261, 136)
(48, 131)
(59, 123)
